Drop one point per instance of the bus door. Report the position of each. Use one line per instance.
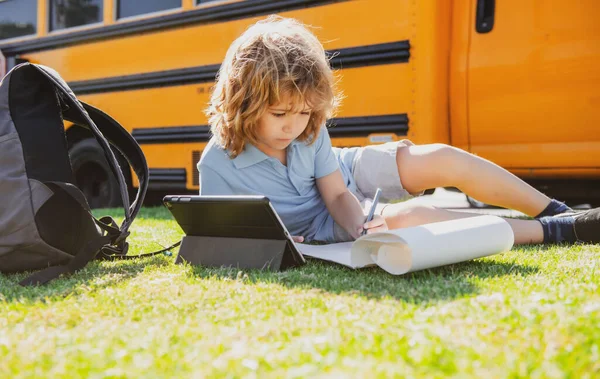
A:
(532, 86)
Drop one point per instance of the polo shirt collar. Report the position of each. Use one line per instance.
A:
(251, 155)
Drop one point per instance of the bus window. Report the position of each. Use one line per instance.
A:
(17, 18)
(129, 8)
(70, 13)
(198, 2)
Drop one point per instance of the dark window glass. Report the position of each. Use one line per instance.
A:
(205, 1)
(18, 18)
(127, 8)
(69, 13)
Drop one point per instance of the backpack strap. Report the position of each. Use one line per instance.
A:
(107, 132)
(124, 142)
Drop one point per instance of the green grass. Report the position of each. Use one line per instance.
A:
(533, 312)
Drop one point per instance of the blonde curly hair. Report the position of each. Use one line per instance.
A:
(274, 58)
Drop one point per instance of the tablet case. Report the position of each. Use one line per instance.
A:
(273, 250)
(243, 253)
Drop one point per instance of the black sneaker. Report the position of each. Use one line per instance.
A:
(587, 226)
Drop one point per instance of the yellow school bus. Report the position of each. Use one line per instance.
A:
(514, 81)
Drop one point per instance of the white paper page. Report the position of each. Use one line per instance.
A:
(338, 253)
(437, 244)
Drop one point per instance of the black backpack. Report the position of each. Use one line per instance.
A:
(45, 220)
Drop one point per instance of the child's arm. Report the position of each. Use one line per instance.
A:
(343, 206)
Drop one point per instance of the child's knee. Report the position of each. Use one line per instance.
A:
(402, 145)
(425, 161)
(402, 151)
(447, 161)
(431, 150)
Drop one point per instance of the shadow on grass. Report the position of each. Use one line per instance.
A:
(93, 277)
(426, 286)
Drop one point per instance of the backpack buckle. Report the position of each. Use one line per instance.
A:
(108, 251)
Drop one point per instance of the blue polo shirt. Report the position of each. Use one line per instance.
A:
(292, 189)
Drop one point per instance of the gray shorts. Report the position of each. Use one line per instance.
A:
(374, 166)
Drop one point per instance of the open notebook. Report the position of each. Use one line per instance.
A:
(411, 249)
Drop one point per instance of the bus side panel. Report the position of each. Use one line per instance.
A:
(533, 87)
(430, 46)
(185, 104)
(458, 68)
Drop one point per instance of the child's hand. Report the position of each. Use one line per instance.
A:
(298, 239)
(377, 224)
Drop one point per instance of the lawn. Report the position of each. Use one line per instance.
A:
(533, 312)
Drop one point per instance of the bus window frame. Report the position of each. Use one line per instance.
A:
(19, 39)
(211, 3)
(142, 16)
(51, 32)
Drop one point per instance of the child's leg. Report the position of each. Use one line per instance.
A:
(582, 227)
(403, 215)
(437, 165)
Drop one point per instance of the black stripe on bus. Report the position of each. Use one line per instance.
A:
(385, 53)
(338, 127)
(363, 126)
(201, 74)
(217, 13)
(167, 178)
(172, 134)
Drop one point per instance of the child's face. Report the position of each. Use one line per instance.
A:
(278, 127)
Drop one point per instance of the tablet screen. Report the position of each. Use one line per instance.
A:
(216, 216)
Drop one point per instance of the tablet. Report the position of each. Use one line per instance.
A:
(233, 219)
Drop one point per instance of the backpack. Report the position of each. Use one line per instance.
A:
(45, 220)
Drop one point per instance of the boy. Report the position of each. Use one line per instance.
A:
(274, 91)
